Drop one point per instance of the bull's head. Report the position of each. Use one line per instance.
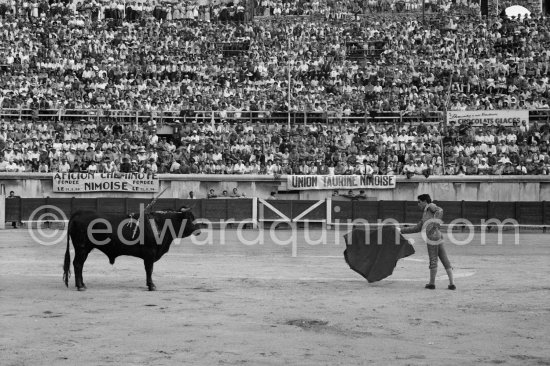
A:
(173, 224)
(191, 227)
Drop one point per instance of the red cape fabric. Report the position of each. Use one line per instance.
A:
(374, 254)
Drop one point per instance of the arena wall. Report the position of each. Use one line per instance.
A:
(447, 188)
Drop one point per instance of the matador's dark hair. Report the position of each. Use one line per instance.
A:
(425, 198)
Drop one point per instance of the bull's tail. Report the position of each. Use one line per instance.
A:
(67, 264)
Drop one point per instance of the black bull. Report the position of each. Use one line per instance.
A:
(148, 237)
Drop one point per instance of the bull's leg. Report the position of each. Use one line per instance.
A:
(78, 263)
(149, 273)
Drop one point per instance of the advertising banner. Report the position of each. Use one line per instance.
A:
(105, 182)
(303, 182)
(508, 116)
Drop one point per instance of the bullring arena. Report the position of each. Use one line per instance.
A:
(222, 302)
(262, 129)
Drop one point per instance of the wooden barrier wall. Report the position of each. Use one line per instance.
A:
(258, 210)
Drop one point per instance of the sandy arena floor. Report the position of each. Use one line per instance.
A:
(229, 303)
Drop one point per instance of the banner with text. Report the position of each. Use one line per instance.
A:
(303, 182)
(507, 116)
(105, 182)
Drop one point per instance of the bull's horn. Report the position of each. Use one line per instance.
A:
(185, 209)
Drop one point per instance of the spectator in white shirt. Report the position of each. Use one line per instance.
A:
(12, 167)
(239, 168)
(64, 167)
(483, 167)
(92, 168)
(504, 159)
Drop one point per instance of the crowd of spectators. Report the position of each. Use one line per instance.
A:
(71, 57)
(247, 148)
(159, 56)
(339, 9)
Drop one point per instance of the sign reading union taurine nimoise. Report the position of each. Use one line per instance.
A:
(105, 182)
(489, 116)
(297, 182)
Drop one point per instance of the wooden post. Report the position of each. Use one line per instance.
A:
(19, 214)
(328, 221)
(462, 209)
(2, 207)
(47, 200)
(543, 203)
(254, 212)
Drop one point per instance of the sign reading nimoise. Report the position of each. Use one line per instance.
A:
(488, 116)
(105, 182)
(303, 182)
